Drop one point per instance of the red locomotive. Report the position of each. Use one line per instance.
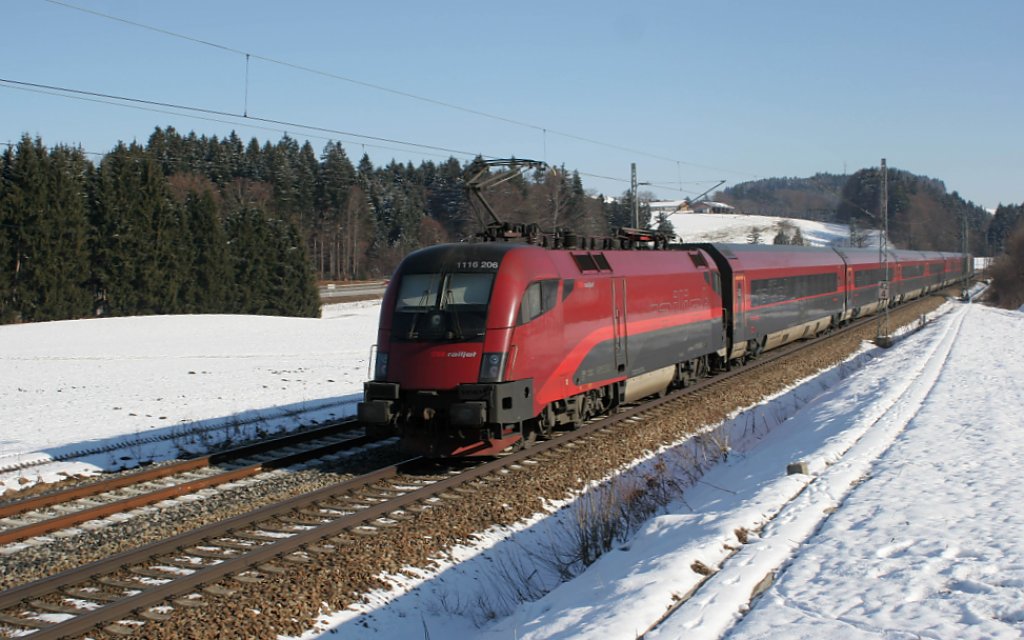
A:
(482, 345)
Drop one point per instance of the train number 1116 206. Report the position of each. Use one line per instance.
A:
(477, 264)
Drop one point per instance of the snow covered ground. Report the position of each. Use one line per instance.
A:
(736, 227)
(139, 389)
(905, 526)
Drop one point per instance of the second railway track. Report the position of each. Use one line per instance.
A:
(62, 509)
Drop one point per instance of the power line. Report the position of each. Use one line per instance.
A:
(151, 105)
(543, 130)
(246, 120)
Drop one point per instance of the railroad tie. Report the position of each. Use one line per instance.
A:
(27, 623)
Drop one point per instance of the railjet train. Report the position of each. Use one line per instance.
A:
(485, 345)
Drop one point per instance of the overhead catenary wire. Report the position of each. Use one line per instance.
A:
(213, 115)
(122, 100)
(442, 103)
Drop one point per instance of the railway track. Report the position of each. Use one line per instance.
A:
(195, 430)
(124, 593)
(62, 509)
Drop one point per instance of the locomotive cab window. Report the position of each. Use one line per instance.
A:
(539, 298)
(442, 306)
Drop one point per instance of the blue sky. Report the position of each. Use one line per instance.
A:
(691, 91)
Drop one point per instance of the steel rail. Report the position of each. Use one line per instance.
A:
(119, 506)
(15, 507)
(14, 596)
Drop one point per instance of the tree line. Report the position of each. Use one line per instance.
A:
(922, 214)
(197, 224)
(356, 220)
(122, 238)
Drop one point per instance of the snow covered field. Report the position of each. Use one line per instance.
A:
(905, 526)
(140, 389)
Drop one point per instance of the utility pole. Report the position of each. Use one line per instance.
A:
(883, 339)
(966, 260)
(636, 202)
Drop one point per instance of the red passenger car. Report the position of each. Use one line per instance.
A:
(865, 270)
(778, 294)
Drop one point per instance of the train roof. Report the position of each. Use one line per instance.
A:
(428, 258)
(751, 256)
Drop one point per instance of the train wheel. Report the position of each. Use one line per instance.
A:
(527, 438)
(545, 422)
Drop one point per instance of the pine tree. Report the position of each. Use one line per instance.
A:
(664, 224)
(9, 251)
(25, 186)
(254, 165)
(64, 282)
(306, 169)
(1002, 225)
(115, 241)
(46, 225)
(209, 285)
(798, 238)
(337, 231)
(292, 288)
(139, 256)
(271, 270)
(620, 212)
(247, 254)
(283, 165)
(446, 200)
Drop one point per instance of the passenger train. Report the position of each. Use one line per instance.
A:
(484, 345)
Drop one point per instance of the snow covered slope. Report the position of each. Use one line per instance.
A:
(732, 227)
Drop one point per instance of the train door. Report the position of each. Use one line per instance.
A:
(619, 322)
(739, 313)
(852, 298)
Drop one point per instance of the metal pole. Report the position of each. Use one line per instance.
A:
(636, 203)
(966, 283)
(883, 339)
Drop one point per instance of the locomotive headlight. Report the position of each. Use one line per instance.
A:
(380, 367)
(492, 367)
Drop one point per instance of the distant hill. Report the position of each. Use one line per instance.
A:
(922, 214)
(814, 198)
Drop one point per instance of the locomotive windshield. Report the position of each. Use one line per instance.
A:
(438, 307)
